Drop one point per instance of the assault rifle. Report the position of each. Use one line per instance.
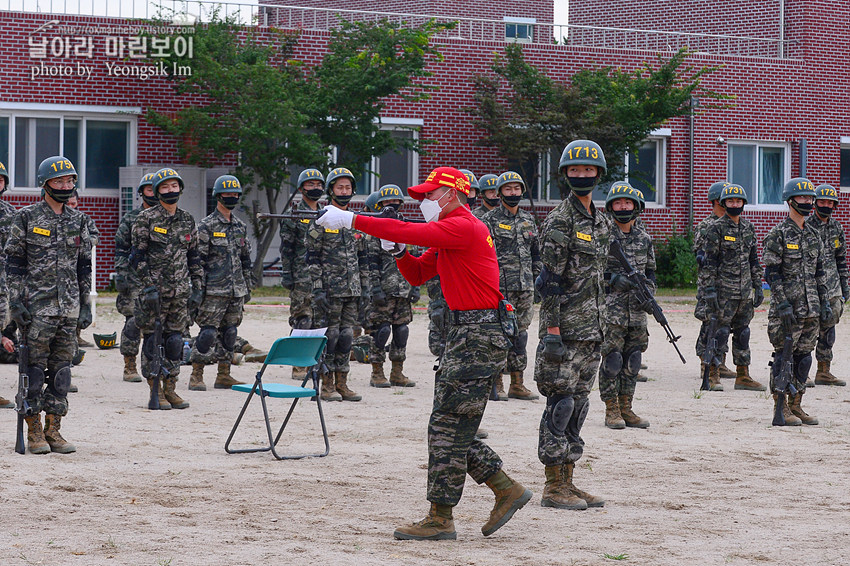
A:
(22, 405)
(158, 355)
(710, 352)
(783, 382)
(643, 295)
(314, 214)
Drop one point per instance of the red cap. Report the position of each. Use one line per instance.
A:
(441, 177)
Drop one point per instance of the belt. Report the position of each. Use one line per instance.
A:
(474, 316)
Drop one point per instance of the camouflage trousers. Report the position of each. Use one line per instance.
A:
(625, 340)
(301, 305)
(125, 303)
(475, 354)
(572, 377)
(340, 318)
(523, 302)
(397, 311)
(736, 315)
(437, 313)
(220, 313)
(52, 342)
(823, 352)
(174, 314)
(804, 335)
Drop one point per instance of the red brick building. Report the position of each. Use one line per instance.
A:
(73, 84)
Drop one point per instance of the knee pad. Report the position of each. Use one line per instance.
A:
(802, 365)
(580, 408)
(205, 339)
(174, 346)
(381, 336)
(333, 338)
(521, 343)
(148, 347)
(131, 331)
(828, 338)
(633, 362)
(228, 338)
(400, 334)
(346, 338)
(612, 364)
(722, 337)
(36, 377)
(560, 409)
(60, 381)
(741, 340)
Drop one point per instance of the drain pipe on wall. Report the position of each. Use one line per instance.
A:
(694, 104)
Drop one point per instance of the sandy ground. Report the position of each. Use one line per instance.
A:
(710, 482)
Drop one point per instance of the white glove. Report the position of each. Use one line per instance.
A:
(334, 218)
(392, 247)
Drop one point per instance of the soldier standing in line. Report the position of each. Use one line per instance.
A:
(225, 253)
(835, 267)
(489, 194)
(625, 335)
(574, 245)
(794, 269)
(732, 285)
(126, 282)
(165, 258)
(94, 240)
(339, 272)
(48, 266)
(7, 212)
(515, 237)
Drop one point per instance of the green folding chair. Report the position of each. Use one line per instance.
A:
(303, 351)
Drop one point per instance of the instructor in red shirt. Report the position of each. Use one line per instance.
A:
(476, 344)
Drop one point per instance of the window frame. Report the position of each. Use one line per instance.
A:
(844, 144)
(785, 174)
(528, 23)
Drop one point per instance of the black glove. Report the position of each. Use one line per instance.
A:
(320, 301)
(121, 284)
(647, 307)
(553, 348)
(196, 297)
(150, 296)
(415, 295)
(758, 296)
(786, 314)
(537, 297)
(286, 281)
(710, 297)
(85, 319)
(438, 316)
(700, 257)
(619, 282)
(20, 314)
(379, 298)
(825, 311)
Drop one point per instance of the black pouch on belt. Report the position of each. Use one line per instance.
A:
(507, 318)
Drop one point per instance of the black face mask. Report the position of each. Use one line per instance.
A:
(170, 198)
(623, 216)
(342, 200)
(491, 202)
(315, 194)
(804, 209)
(150, 201)
(581, 186)
(734, 211)
(511, 200)
(824, 211)
(229, 202)
(59, 195)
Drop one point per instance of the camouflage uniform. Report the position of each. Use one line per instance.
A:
(49, 270)
(165, 256)
(481, 211)
(836, 273)
(225, 253)
(574, 247)
(385, 277)
(437, 313)
(7, 213)
(625, 332)
(293, 248)
(699, 310)
(732, 268)
(127, 284)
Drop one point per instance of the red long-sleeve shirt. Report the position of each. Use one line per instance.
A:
(466, 263)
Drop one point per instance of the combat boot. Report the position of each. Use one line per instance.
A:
(794, 404)
(591, 500)
(342, 387)
(397, 378)
(171, 396)
(432, 527)
(82, 342)
(745, 382)
(6, 404)
(328, 390)
(632, 420)
(54, 438)
(511, 496)
(299, 373)
(613, 418)
(131, 374)
(725, 372)
(519, 391)
(36, 442)
(196, 380)
(714, 378)
(790, 419)
(825, 377)
(223, 380)
(253, 354)
(378, 379)
(556, 492)
(500, 388)
(164, 405)
(641, 378)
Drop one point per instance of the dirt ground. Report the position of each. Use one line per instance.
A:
(710, 482)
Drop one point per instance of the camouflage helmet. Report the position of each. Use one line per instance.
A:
(371, 203)
(488, 182)
(622, 189)
(105, 341)
(473, 182)
(53, 167)
(390, 192)
(798, 186)
(509, 177)
(731, 190)
(147, 179)
(715, 189)
(227, 184)
(5, 174)
(163, 175)
(339, 173)
(826, 192)
(310, 175)
(582, 152)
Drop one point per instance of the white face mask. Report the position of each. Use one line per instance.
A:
(431, 208)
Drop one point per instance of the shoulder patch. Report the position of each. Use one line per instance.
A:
(557, 236)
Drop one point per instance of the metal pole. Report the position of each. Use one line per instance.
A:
(781, 29)
(694, 103)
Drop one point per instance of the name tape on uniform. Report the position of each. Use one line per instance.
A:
(792, 247)
(729, 238)
(505, 226)
(837, 244)
(41, 231)
(329, 231)
(583, 236)
(219, 235)
(305, 221)
(160, 230)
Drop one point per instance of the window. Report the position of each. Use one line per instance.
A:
(845, 164)
(106, 152)
(644, 170)
(519, 29)
(398, 167)
(4, 142)
(760, 168)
